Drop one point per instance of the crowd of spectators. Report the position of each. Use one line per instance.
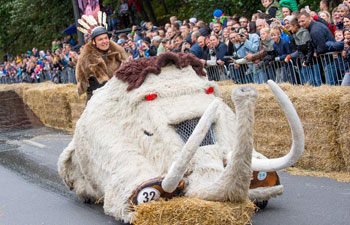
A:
(35, 66)
(283, 34)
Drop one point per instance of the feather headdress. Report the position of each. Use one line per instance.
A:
(88, 23)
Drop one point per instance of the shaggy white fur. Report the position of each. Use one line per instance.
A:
(265, 193)
(111, 155)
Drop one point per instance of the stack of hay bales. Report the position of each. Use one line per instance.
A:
(56, 105)
(323, 112)
(191, 211)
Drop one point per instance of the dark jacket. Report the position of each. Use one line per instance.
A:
(330, 26)
(197, 51)
(320, 34)
(302, 40)
(282, 49)
(152, 50)
(335, 46)
(220, 51)
(339, 25)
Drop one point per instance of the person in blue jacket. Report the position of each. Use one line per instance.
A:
(282, 49)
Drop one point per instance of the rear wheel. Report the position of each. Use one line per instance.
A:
(261, 204)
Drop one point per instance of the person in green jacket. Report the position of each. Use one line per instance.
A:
(273, 9)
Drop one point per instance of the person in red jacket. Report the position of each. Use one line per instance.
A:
(324, 17)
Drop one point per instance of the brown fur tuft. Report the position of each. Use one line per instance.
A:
(134, 72)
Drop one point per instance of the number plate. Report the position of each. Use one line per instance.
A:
(148, 194)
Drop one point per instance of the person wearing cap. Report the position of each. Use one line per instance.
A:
(287, 32)
(144, 51)
(219, 17)
(193, 20)
(153, 45)
(156, 41)
(292, 5)
(97, 62)
(162, 46)
(121, 42)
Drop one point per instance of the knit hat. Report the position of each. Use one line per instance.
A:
(217, 13)
(156, 38)
(290, 4)
(121, 41)
(193, 20)
(289, 18)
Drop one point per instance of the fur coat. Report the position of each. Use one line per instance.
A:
(96, 63)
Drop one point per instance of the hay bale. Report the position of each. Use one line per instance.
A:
(344, 129)
(319, 111)
(50, 104)
(339, 176)
(191, 211)
(76, 103)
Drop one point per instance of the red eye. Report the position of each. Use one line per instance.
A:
(151, 97)
(209, 90)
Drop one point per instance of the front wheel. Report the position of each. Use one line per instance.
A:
(261, 204)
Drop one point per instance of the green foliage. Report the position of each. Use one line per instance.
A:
(203, 9)
(25, 24)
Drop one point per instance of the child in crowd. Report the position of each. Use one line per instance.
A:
(282, 49)
(337, 46)
(273, 9)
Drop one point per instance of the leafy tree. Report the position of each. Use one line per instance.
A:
(25, 24)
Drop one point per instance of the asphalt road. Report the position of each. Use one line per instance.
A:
(31, 192)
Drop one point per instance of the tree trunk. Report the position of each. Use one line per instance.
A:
(164, 6)
(151, 12)
(76, 17)
(142, 11)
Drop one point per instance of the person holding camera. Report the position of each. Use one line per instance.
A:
(217, 51)
(242, 44)
(144, 49)
(186, 45)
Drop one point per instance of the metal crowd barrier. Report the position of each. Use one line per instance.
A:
(328, 68)
(217, 73)
(67, 75)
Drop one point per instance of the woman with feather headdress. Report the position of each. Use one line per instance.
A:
(99, 58)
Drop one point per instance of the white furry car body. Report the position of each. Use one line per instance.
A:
(122, 140)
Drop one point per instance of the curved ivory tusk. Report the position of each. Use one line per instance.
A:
(297, 148)
(178, 168)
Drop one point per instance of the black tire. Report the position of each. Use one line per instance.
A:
(261, 204)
